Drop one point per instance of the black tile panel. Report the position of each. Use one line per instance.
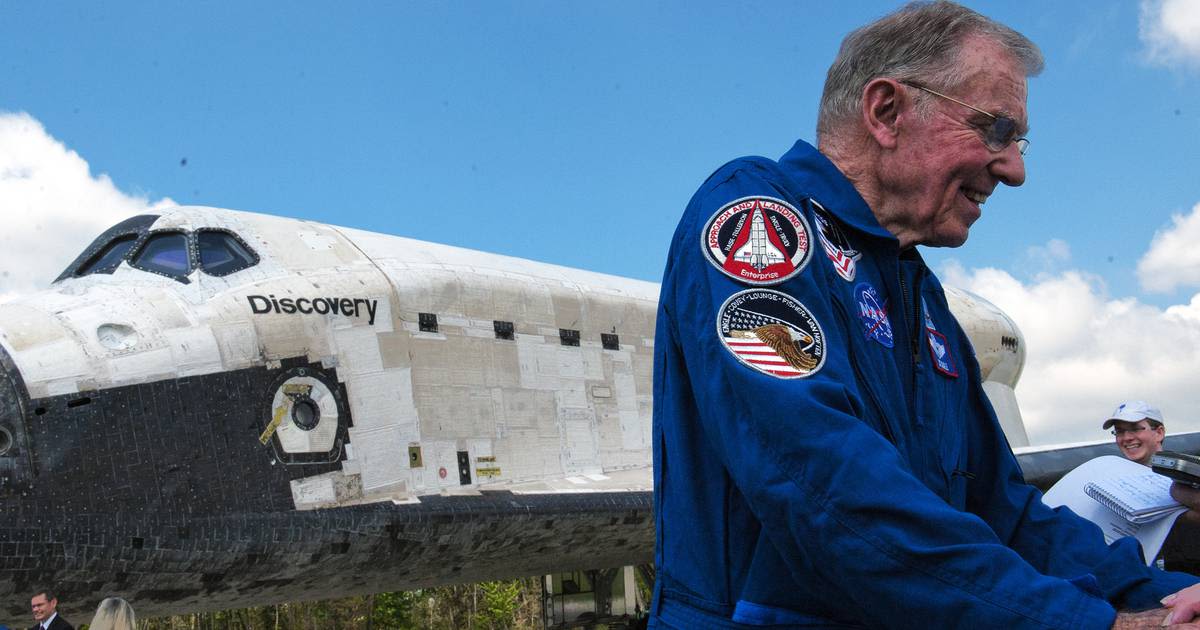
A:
(273, 556)
(149, 488)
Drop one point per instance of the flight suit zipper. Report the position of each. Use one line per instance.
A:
(862, 379)
(911, 303)
(912, 306)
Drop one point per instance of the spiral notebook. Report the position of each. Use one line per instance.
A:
(1069, 493)
(1139, 498)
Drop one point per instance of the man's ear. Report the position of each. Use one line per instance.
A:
(882, 102)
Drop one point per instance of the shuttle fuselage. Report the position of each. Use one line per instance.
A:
(212, 408)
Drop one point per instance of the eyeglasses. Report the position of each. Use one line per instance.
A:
(1120, 432)
(997, 135)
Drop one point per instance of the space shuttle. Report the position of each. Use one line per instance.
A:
(758, 251)
(212, 409)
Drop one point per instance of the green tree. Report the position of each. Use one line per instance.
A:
(501, 600)
(395, 611)
(501, 605)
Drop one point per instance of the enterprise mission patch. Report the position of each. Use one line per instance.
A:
(757, 240)
(772, 332)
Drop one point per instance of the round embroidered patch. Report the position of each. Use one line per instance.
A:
(772, 332)
(872, 311)
(836, 245)
(757, 240)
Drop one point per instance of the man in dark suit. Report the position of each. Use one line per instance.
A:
(45, 604)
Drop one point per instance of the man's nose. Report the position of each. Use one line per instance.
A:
(1009, 166)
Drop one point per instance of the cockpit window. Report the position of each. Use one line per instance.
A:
(172, 252)
(222, 253)
(99, 251)
(164, 253)
(107, 259)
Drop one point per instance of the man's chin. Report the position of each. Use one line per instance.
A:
(948, 238)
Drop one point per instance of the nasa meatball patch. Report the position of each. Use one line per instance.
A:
(772, 333)
(872, 312)
(837, 247)
(757, 240)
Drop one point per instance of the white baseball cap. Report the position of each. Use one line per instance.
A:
(1134, 411)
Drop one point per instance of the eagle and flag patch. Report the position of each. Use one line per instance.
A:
(757, 240)
(772, 332)
(836, 245)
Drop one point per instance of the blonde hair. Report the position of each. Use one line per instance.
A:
(114, 613)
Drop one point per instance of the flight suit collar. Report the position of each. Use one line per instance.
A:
(821, 178)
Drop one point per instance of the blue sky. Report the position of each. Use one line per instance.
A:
(598, 119)
(574, 132)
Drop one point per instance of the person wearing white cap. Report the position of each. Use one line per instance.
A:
(1139, 430)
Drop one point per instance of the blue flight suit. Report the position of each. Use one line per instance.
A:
(865, 480)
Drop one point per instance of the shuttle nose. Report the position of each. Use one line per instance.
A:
(15, 463)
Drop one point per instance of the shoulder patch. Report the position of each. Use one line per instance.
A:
(873, 312)
(939, 348)
(837, 247)
(772, 333)
(757, 240)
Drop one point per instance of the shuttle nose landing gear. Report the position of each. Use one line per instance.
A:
(598, 598)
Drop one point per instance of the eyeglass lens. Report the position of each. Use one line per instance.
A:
(1001, 132)
(997, 134)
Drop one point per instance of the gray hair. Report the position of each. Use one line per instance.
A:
(919, 42)
(114, 613)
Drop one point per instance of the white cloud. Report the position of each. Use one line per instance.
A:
(1041, 259)
(1086, 352)
(51, 203)
(1170, 30)
(1173, 259)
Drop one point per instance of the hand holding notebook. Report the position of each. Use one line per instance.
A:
(1069, 492)
(1138, 498)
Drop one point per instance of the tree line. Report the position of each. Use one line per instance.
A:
(499, 605)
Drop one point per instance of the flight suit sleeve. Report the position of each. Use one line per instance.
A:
(830, 491)
(1055, 541)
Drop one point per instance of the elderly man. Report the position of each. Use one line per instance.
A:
(1139, 430)
(824, 453)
